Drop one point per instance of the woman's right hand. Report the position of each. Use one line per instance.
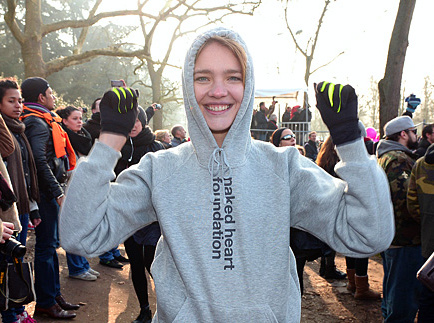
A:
(8, 230)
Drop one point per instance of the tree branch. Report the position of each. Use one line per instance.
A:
(63, 62)
(83, 34)
(12, 23)
(326, 63)
(292, 34)
(91, 21)
(327, 2)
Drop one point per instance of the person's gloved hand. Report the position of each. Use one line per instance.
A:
(119, 110)
(338, 107)
(412, 103)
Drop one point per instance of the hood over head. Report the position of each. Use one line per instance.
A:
(238, 139)
(385, 146)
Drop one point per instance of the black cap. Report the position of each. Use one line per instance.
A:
(32, 87)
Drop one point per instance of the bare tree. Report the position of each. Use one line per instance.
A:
(390, 86)
(309, 50)
(180, 13)
(31, 31)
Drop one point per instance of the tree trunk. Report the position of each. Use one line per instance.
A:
(390, 86)
(157, 120)
(31, 48)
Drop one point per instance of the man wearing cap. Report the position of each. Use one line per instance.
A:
(53, 157)
(403, 258)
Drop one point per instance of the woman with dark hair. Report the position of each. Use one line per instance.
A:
(81, 141)
(357, 268)
(22, 171)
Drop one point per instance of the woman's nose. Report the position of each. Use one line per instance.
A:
(218, 90)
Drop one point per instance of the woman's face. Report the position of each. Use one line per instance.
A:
(74, 122)
(11, 104)
(287, 138)
(166, 138)
(138, 127)
(218, 87)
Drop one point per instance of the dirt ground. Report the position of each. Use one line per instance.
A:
(112, 299)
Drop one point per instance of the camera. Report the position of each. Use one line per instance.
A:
(13, 248)
(117, 83)
(158, 106)
(274, 99)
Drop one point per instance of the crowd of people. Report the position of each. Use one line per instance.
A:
(189, 205)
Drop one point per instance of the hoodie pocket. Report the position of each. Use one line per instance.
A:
(195, 311)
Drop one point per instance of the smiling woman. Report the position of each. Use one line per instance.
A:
(218, 87)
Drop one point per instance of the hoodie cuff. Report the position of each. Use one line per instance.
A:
(354, 151)
(104, 153)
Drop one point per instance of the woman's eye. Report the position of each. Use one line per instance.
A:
(235, 78)
(201, 79)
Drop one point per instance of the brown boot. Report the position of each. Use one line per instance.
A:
(362, 289)
(351, 286)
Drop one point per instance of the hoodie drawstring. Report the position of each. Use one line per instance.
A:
(218, 162)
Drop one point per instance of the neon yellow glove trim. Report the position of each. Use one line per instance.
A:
(340, 100)
(129, 90)
(116, 91)
(125, 96)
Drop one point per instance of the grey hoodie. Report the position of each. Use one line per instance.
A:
(224, 254)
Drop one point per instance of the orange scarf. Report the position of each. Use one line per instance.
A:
(62, 145)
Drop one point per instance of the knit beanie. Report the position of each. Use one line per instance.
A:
(142, 116)
(275, 137)
(32, 87)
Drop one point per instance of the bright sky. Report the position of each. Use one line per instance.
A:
(361, 29)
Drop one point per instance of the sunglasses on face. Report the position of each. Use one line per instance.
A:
(288, 137)
(413, 130)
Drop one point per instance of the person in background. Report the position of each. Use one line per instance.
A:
(25, 189)
(426, 140)
(179, 135)
(54, 156)
(403, 258)
(420, 204)
(301, 149)
(283, 137)
(163, 136)
(81, 141)
(140, 247)
(327, 159)
(286, 117)
(209, 263)
(272, 125)
(93, 125)
(311, 147)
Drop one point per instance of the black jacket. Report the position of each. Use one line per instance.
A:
(311, 150)
(93, 126)
(422, 147)
(51, 170)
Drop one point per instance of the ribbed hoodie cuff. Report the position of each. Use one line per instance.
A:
(354, 151)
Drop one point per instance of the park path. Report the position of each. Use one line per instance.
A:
(112, 299)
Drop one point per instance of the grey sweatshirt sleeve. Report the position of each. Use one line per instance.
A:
(98, 214)
(354, 215)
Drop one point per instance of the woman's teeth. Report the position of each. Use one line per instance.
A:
(217, 107)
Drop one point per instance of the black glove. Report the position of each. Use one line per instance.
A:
(338, 107)
(119, 110)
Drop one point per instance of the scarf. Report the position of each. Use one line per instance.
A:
(62, 145)
(23, 190)
(81, 141)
